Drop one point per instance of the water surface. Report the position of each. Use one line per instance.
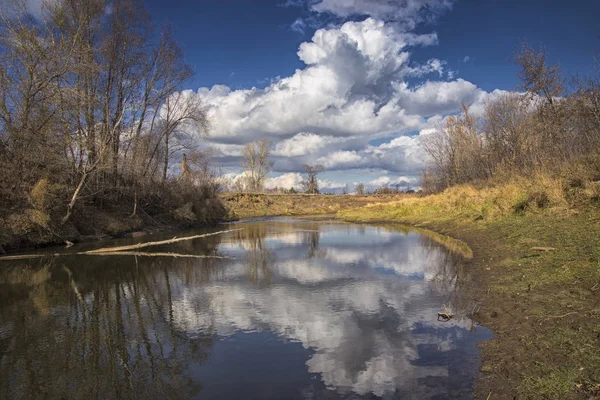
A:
(302, 310)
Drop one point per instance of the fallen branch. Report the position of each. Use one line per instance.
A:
(561, 316)
(32, 256)
(446, 315)
(123, 250)
(112, 253)
(146, 254)
(543, 248)
(159, 243)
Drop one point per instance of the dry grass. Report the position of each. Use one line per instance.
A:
(252, 205)
(471, 203)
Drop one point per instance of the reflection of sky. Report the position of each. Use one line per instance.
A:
(363, 301)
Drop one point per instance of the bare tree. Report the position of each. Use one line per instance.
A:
(360, 189)
(182, 115)
(255, 159)
(537, 77)
(92, 102)
(310, 182)
(457, 151)
(508, 135)
(239, 184)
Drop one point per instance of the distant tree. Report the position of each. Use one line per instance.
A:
(310, 182)
(387, 190)
(239, 185)
(360, 189)
(255, 158)
(292, 191)
(345, 189)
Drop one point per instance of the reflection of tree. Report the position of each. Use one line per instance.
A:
(257, 258)
(313, 244)
(98, 330)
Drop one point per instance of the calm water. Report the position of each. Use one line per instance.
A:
(303, 310)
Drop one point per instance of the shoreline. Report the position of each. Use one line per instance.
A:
(546, 327)
(535, 278)
(535, 274)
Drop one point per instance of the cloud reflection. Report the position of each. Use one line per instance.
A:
(352, 294)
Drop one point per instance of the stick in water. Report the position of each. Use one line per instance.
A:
(126, 248)
(148, 254)
(148, 244)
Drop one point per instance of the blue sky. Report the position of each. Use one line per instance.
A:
(353, 106)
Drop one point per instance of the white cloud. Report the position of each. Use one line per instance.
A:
(466, 59)
(353, 89)
(407, 12)
(286, 181)
(352, 86)
(298, 26)
(340, 159)
(303, 143)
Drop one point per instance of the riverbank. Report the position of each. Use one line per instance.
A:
(253, 205)
(536, 273)
(536, 278)
(41, 224)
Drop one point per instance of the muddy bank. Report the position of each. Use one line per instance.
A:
(91, 224)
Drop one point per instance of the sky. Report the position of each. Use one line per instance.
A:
(353, 84)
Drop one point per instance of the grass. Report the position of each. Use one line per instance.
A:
(543, 305)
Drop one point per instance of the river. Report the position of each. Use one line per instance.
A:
(299, 309)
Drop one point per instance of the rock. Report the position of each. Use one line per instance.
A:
(137, 234)
(486, 368)
(543, 248)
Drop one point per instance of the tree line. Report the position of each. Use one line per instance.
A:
(542, 128)
(92, 111)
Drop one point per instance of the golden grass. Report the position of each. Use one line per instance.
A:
(468, 202)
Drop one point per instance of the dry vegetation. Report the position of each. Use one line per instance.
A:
(252, 205)
(92, 123)
(544, 130)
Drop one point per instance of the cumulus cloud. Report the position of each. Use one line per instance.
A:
(303, 143)
(358, 85)
(352, 86)
(286, 181)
